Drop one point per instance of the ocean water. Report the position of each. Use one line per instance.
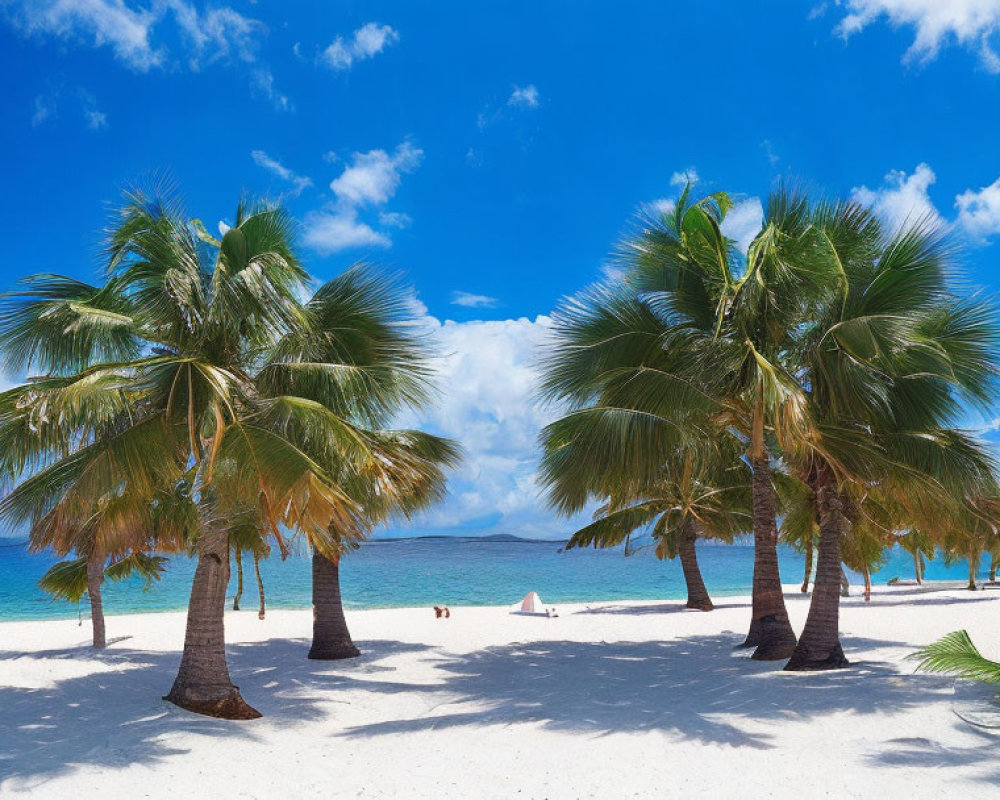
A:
(438, 571)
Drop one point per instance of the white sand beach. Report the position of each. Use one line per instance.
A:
(608, 700)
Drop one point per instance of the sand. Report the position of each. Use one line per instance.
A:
(608, 700)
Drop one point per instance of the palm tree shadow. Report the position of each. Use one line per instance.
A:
(655, 608)
(109, 713)
(695, 688)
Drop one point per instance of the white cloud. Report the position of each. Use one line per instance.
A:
(368, 41)
(369, 180)
(487, 380)
(524, 96)
(743, 222)
(373, 177)
(664, 205)
(979, 211)
(96, 120)
(45, 109)
(299, 182)
(129, 29)
(684, 177)
(902, 198)
(970, 23)
(262, 82)
(394, 219)
(332, 230)
(469, 300)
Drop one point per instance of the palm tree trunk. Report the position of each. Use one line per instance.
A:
(239, 578)
(994, 559)
(203, 684)
(868, 584)
(918, 567)
(809, 565)
(95, 577)
(331, 638)
(819, 646)
(698, 597)
(770, 631)
(260, 586)
(845, 584)
(973, 569)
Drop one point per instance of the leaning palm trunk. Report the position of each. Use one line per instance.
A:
(868, 584)
(331, 638)
(203, 684)
(698, 597)
(239, 578)
(809, 565)
(95, 577)
(918, 567)
(819, 645)
(770, 631)
(260, 586)
(973, 564)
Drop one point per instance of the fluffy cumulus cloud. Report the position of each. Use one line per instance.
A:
(488, 378)
(902, 198)
(298, 183)
(131, 29)
(470, 300)
(368, 181)
(366, 42)
(979, 211)
(970, 23)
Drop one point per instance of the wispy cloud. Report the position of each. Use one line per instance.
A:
(368, 181)
(129, 29)
(684, 177)
(469, 300)
(262, 83)
(936, 23)
(46, 107)
(298, 182)
(367, 42)
(521, 99)
(524, 96)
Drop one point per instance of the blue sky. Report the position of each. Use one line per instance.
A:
(493, 151)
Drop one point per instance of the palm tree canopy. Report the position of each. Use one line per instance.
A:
(197, 385)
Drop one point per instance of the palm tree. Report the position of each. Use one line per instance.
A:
(163, 369)
(696, 332)
(701, 493)
(72, 579)
(363, 361)
(883, 365)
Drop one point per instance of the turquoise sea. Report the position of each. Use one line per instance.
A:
(434, 571)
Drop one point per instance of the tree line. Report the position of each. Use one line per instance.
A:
(204, 398)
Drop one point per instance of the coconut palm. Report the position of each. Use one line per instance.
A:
(73, 578)
(366, 361)
(169, 372)
(884, 365)
(702, 492)
(699, 332)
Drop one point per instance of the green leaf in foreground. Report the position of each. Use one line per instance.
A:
(955, 654)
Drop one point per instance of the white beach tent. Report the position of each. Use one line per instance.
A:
(532, 604)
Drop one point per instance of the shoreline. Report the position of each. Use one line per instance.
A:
(275, 604)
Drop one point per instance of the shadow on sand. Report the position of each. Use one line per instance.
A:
(114, 716)
(697, 687)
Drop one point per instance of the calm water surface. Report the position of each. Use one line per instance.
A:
(425, 572)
